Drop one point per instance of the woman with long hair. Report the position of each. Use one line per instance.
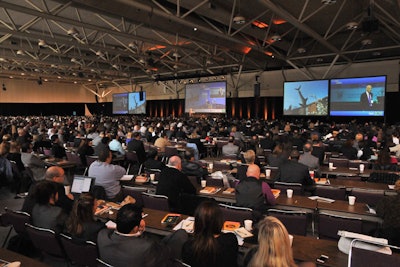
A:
(81, 223)
(210, 247)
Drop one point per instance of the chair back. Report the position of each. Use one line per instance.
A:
(339, 162)
(331, 192)
(383, 177)
(45, 240)
(135, 192)
(90, 159)
(294, 221)
(296, 187)
(221, 166)
(17, 221)
(214, 181)
(368, 196)
(234, 213)
(361, 257)
(74, 158)
(82, 253)
(170, 151)
(156, 202)
(101, 263)
(329, 225)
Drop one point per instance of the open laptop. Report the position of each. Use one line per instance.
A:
(81, 184)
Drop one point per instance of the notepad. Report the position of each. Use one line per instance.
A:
(209, 190)
(126, 177)
(243, 233)
(322, 199)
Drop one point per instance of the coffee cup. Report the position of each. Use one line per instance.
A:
(311, 174)
(203, 183)
(352, 200)
(248, 225)
(152, 177)
(268, 172)
(330, 165)
(289, 193)
(362, 168)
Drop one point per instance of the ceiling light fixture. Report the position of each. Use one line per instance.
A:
(328, 2)
(239, 19)
(4, 87)
(366, 42)
(20, 52)
(301, 50)
(276, 37)
(99, 54)
(42, 43)
(73, 32)
(352, 25)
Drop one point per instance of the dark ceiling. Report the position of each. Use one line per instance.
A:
(135, 41)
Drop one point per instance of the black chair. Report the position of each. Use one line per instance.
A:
(98, 192)
(339, 162)
(368, 196)
(156, 202)
(294, 221)
(237, 214)
(46, 241)
(383, 177)
(16, 220)
(80, 253)
(329, 224)
(296, 187)
(135, 192)
(331, 192)
(214, 181)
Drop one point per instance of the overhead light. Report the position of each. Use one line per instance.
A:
(115, 66)
(73, 32)
(352, 25)
(239, 19)
(175, 66)
(276, 37)
(42, 43)
(20, 52)
(328, 2)
(74, 60)
(141, 60)
(99, 53)
(2, 59)
(366, 42)
(301, 50)
(195, 29)
(176, 55)
(320, 59)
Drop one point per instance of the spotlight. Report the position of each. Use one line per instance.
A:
(4, 87)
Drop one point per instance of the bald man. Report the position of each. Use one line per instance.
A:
(173, 182)
(253, 193)
(56, 175)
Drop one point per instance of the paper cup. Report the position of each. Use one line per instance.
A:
(268, 172)
(311, 174)
(352, 200)
(291, 240)
(152, 177)
(289, 193)
(203, 183)
(67, 189)
(248, 225)
(362, 168)
(211, 166)
(331, 165)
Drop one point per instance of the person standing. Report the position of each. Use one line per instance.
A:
(366, 98)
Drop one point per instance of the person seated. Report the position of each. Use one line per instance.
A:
(81, 224)
(127, 245)
(274, 246)
(348, 150)
(57, 150)
(85, 149)
(388, 208)
(162, 142)
(152, 161)
(210, 247)
(115, 145)
(190, 167)
(291, 171)
(45, 213)
(230, 148)
(253, 193)
(173, 183)
(136, 145)
(108, 175)
(33, 162)
(308, 159)
(384, 161)
(6, 174)
(249, 158)
(277, 157)
(100, 146)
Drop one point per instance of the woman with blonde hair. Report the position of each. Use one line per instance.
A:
(274, 249)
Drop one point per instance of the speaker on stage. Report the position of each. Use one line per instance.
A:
(257, 90)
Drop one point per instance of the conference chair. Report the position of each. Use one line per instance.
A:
(90, 160)
(220, 166)
(101, 263)
(169, 152)
(46, 241)
(359, 256)
(331, 192)
(135, 192)
(383, 177)
(79, 252)
(329, 224)
(16, 220)
(236, 214)
(156, 202)
(214, 181)
(76, 159)
(296, 187)
(368, 196)
(339, 162)
(131, 159)
(294, 221)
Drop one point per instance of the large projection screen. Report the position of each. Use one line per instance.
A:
(120, 103)
(137, 103)
(205, 97)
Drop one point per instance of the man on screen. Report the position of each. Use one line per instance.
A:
(366, 98)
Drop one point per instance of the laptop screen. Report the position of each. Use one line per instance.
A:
(81, 184)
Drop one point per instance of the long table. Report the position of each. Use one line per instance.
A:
(11, 256)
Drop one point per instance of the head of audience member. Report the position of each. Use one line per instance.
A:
(397, 186)
(231, 139)
(4, 149)
(105, 140)
(105, 155)
(175, 162)
(207, 224)
(129, 219)
(189, 154)
(26, 147)
(152, 153)
(136, 135)
(307, 147)
(383, 157)
(45, 193)
(359, 137)
(278, 149)
(54, 139)
(249, 156)
(253, 171)
(82, 212)
(55, 174)
(274, 247)
(294, 155)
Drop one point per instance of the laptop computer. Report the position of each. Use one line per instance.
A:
(82, 184)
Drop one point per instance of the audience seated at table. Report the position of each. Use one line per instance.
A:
(389, 210)
(249, 158)
(161, 142)
(385, 161)
(81, 224)
(291, 171)
(308, 159)
(274, 248)
(348, 150)
(136, 145)
(100, 146)
(152, 161)
(191, 167)
(253, 193)
(45, 213)
(128, 245)
(173, 182)
(115, 145)
(209, 247)
(85, 149)
(230, 148)
(35, 164)
(108, 175)
(57, 150)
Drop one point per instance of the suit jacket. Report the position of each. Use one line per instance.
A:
(365, 104)
(172, 183)
(36, 165)
(230, 149)
(121, 250)
(49, 216)
(138, 147)
(291, 171)
(309, 160)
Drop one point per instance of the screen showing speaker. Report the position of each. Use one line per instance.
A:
(137, 103)
(120, 103)
(363, 96)
(306, 98)
(205, 97)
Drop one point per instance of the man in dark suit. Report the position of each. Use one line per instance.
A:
(291, 171)
(173, 182)
(129, 246)
(137, 146)
(366, 98)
